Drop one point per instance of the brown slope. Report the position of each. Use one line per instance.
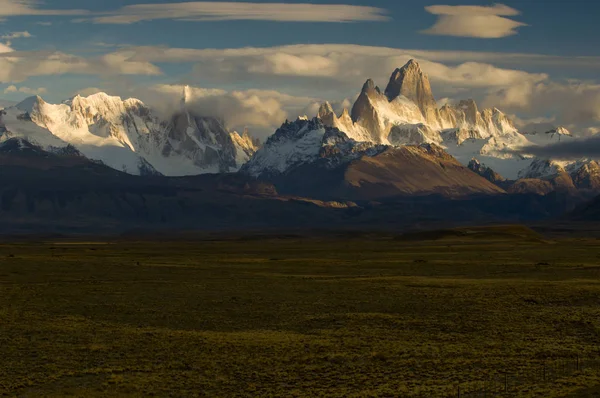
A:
(397, 172)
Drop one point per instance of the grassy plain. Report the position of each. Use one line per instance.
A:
(346, 316)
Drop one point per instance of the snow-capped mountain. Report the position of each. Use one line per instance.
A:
(303, 142)
(129, 136)
(406, 113)
(307, 158)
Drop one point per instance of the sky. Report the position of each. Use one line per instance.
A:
(257, 63)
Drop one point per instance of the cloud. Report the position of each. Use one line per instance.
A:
(567, 150)
(474, 21)
(333, 68)
(16, 35)
(25, 90)
(262, 111)
(574, 104)
(334, 71)
(11, 8)
(86, 92)
(17, 66)
(222, 11)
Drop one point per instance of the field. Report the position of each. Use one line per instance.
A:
(353, 315)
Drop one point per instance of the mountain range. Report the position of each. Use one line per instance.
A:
(405, 117)
(44, 192)
(395, 156)
(129, 136)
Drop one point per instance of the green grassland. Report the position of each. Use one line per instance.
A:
(356, 315)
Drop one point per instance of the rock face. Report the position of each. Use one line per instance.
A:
(129, 136)
(411, 83)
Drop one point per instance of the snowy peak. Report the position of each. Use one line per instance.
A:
(587, 176)
(542, 169)
(304, 142)
(31, 104)
(294, 143)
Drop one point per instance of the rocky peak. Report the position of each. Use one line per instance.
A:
(469, 107)
(370, 88)
(411, 82)
(325, 110)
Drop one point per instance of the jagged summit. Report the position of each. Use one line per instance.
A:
(325, 110)
(395, 85)
(370, 87)
(412, 83)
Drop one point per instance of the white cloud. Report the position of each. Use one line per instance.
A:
(311, 73)
(121, 63)
(223, 10)
(262, 111)
(178, 55)
(474, 21)
(337, 71)
(573, 104)
(25, 90)
(11, 8)
(17, 66)
(86, 92)
(335, 68)
(16, 35)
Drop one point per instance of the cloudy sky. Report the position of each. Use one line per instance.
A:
(257, 63)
